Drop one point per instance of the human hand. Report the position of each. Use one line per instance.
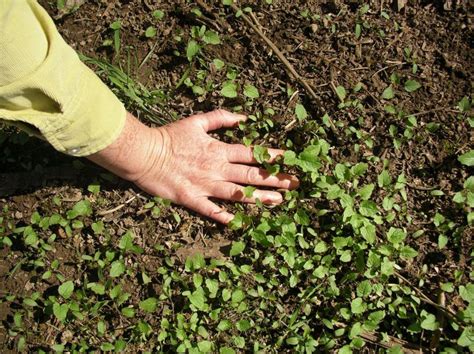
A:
(182, 163)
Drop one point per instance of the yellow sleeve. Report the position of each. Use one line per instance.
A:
(43, 83)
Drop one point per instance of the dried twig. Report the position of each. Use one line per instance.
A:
(446, 109)
(373, 337)
(293, 73)
(422, 188)
(434, 343)
(210, 12)
(449, 313)
(117, 208)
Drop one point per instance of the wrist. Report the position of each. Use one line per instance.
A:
(130, 155)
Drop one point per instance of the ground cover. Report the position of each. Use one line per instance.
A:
(372, 253)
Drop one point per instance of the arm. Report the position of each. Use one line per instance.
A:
(56, 93)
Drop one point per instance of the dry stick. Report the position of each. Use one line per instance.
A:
(214, 16)
(372, 337)
(434, 343)
(422, 188)
(449, 313)
(285, 61)
(106, 212)
(446, 109)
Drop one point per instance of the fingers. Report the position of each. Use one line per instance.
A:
(239, 153)
(218, 119)
(243, 174)
(234, 192)
(207, 208)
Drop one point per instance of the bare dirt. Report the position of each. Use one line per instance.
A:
(441, 45)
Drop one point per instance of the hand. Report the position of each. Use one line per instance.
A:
(181, 162)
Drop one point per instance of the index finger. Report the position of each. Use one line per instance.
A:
(238, 153)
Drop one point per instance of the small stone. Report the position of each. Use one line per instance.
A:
(314, 28)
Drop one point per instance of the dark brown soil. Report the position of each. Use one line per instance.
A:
(441, 45)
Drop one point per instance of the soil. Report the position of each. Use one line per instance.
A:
(441, 44)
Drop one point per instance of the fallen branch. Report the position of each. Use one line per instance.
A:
(282, 58)
(449, 313)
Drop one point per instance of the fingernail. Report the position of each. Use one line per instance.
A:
(275, 199)
(293, 182)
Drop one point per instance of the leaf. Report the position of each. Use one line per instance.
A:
(126, 242)
(158, 14)
(358, 30)
(359, 169)
(289, 158)
(308, 159)
(429, 323)
(238, 221)
(442, 241)
(128, 312)
(300, 112)
(467, 337)
(467, 292)
(412, 85)
(396, 235)
(237, 248)
(302, 218)
(205, 346)
(192, 49)
(341, 172)
(464, 105)
(368, 233)
(243, 325)
(251, 91)
(364, 288)
(211, 37)
(198, 299)
(358, 306)
(224, 325)
(388, 93)
(97, 288)
(66, 289)
(341, 93)
(407, 252)
(115, 25)
(384, 179)
(368, 208)
(117, 268)
(219, 64)
(467, 158)
(60, 311)
(261, 154)
(229, 89)
(150, 32)
(81, 208)
(31, 238)
(248, 191)
(148, 305)
(237, 296)
(366, 191)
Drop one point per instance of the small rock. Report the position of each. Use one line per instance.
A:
(314, 28)
(67, 336)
